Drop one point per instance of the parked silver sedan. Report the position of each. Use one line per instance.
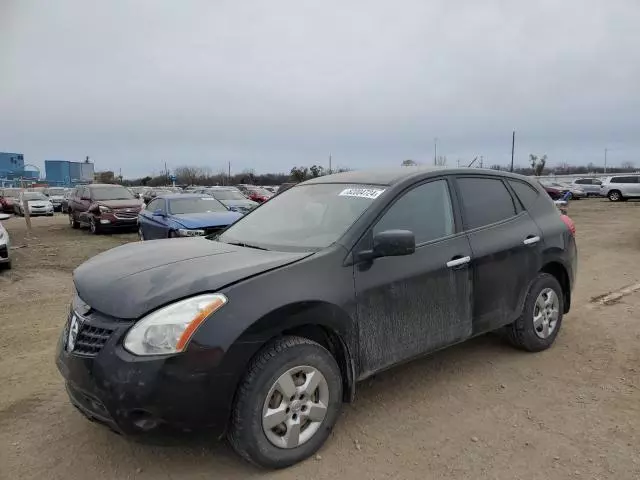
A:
(591, 186)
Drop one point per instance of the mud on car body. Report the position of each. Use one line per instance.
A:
(262, 332)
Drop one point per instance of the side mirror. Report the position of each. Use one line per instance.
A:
(158, 213)
(391, 243)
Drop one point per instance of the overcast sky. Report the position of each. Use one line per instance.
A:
(268, 85)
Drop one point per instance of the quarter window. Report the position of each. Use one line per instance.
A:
(526, 193)
(485, 201)
(425, 210)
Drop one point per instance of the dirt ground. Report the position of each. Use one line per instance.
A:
(478, 410)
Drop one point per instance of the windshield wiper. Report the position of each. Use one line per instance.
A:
(248, 245)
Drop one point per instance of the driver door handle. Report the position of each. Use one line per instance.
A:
(456, 262)
(531, 240)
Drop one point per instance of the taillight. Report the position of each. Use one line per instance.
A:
(569, 223)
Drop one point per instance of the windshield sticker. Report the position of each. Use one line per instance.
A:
(371, 193)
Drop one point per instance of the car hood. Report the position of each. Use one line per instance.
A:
(207, 219)
(132, 203)
(131, 280)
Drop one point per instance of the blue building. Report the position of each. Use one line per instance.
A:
(62, 173)
(12, 170)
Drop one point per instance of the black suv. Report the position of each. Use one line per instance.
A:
(263, 331)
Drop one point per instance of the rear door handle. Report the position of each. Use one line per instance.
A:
(456, 262)
(531, 240)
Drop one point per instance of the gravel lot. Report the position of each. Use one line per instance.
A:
(478, 410)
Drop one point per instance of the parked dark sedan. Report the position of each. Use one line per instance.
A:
(263, 331)
(183, 215)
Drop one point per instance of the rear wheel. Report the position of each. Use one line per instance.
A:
(539, 324)
(287, 403)
(615, 196)
(5, 266)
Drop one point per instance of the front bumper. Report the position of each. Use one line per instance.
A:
(111, 220)
(133, 394)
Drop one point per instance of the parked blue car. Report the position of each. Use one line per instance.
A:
(183, 215)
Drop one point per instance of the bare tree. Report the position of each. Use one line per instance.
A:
(537, 163)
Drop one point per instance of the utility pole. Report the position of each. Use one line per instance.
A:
(605, 160)
(481, 160)
(513, 146)
(330, 164)
(166, 173)
(435, 151)
(229, 172)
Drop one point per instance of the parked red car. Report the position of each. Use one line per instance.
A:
(254, 193)
(8, 196)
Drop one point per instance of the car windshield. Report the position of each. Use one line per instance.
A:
(34, 196)
(111, 193)
(306, 218)
(227, 194)
(56, 191)
(178, 206)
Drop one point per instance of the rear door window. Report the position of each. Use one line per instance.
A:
(485, 201)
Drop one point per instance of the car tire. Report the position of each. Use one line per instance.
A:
(614, 196)
(263, 388)
(172, 234)
(72, 221)
(5, 266)
(94, 227)
(536, 329)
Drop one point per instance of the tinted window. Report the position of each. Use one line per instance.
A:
(425, 210)
(624, 180)
(583, 181)
(526, 193)
(596, 182)
(485, 201)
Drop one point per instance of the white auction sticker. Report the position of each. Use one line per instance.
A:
(371, 193)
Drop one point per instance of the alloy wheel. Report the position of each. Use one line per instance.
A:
(546, 313)
(295, 407)
(614, 196)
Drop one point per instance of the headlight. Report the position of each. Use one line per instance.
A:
(104, 209)
(170, 329)
(183, 232)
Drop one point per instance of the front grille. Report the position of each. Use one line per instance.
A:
(125, 215)
(90, 339)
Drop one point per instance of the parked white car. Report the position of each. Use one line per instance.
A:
(5, 244)
(38, 204)
(56, 196)
(621, 187)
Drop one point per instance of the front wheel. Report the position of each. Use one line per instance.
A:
(287, 403)
(72, 221)
(94, 226)
(539, 324)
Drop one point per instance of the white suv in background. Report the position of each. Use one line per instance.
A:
(621, 187)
